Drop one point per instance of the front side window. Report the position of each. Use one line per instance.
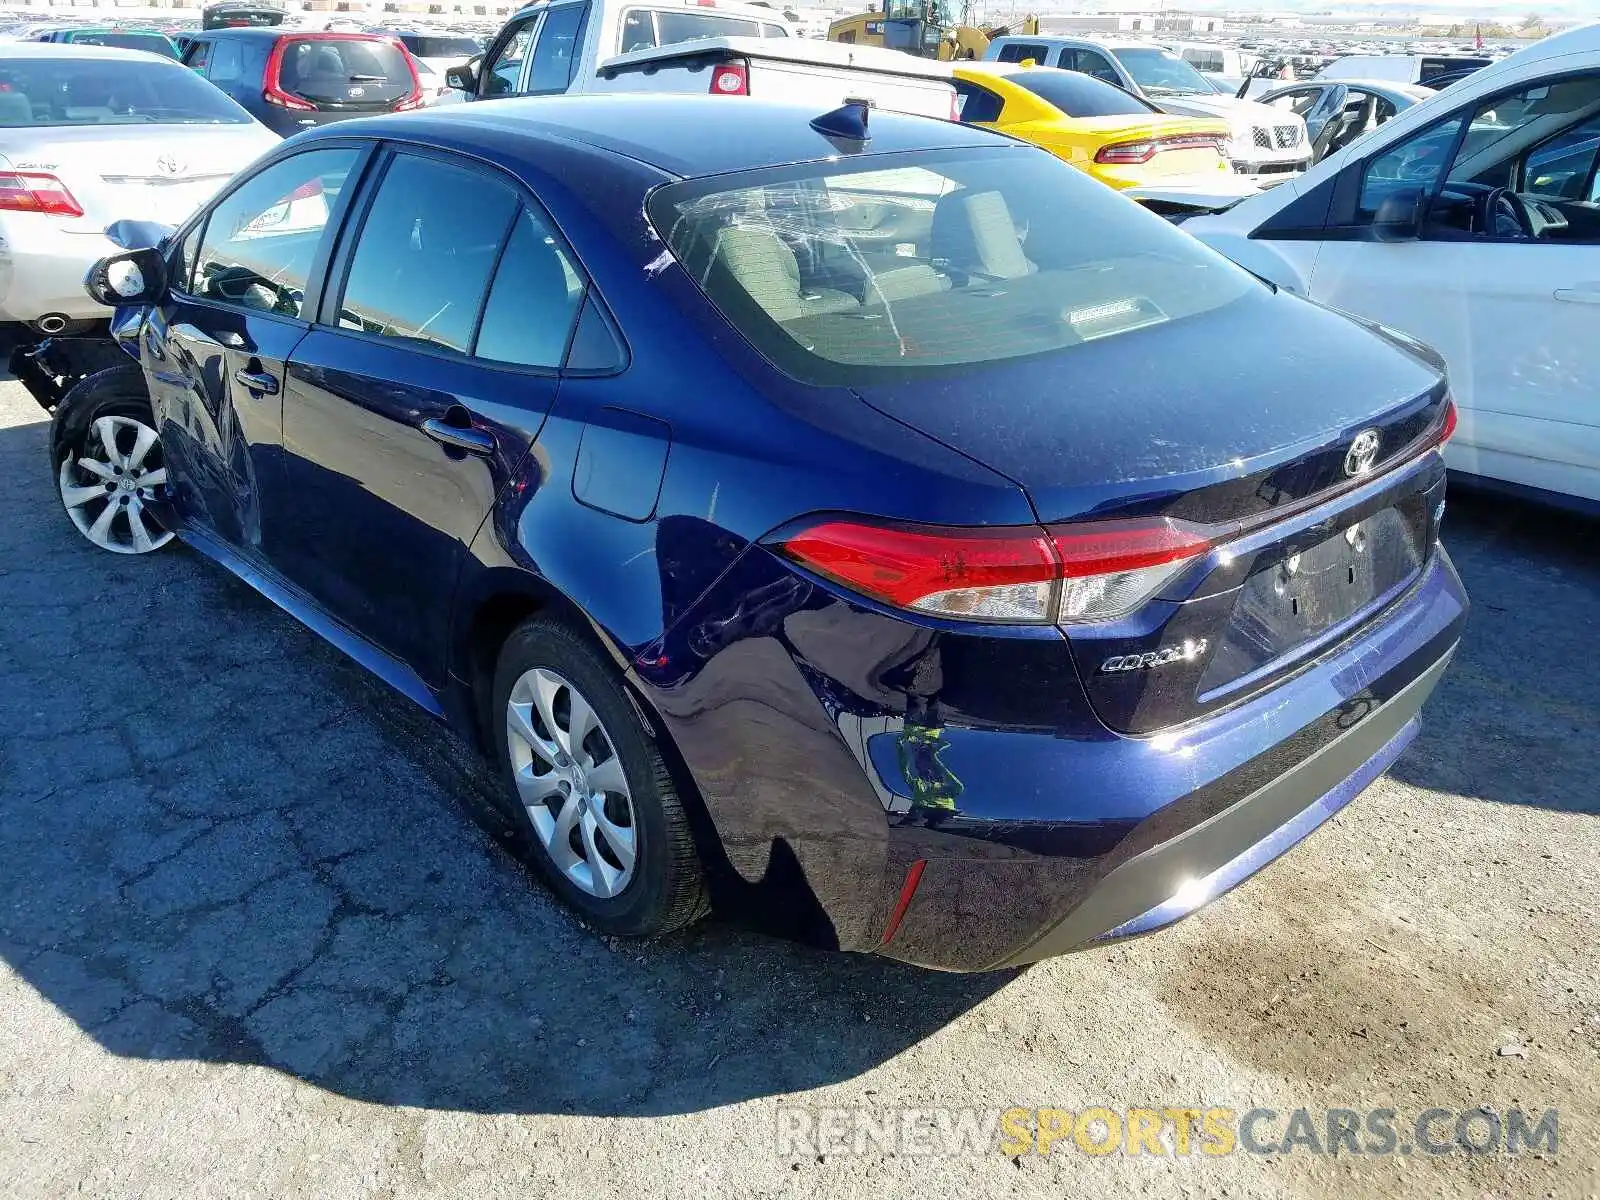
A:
(1565, 166)
(1509, 131)
(848, 272)
(1416, 163)
(199, 52)
(423, 259)
(261, 239)
(97, 91)
(503, 72)
(535, 299)
(555, 53)
(1098, 65)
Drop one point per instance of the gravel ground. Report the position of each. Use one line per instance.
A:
(262, 936)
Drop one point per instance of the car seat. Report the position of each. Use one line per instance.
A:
(762, 266)
(973, 235)
(15, 110)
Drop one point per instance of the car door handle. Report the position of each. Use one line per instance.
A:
(257, 381)
(458, 437)
(1584, 293)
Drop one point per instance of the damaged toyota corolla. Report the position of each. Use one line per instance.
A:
(879, 531)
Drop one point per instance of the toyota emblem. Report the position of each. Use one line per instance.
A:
(1363, 452)
(170, 164)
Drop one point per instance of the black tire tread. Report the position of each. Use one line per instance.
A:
(686, 898)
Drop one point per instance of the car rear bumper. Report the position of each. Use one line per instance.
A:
(953, 802)
(995, 911)
(42, 268)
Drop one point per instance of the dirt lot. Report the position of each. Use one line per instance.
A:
(260, 938)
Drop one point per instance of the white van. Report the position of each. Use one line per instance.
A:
(1221, 64)
(1420, 69)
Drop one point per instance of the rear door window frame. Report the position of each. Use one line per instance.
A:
(337, 267)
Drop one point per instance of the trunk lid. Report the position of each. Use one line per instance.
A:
(1258, 446)
(138, 172)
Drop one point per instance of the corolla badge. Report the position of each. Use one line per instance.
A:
(1363, 452)
(1187, 652)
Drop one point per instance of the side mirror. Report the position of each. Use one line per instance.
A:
(137, 277)
(1399, 215)
(462, 78)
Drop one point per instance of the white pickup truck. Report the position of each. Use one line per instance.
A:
(570, 46)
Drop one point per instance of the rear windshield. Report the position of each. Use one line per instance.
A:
(869, 269)
(425, 46)
(643, 28)
(1080, 95)
(241, 18)
(343, 70)
(85, 91)
(151, 43)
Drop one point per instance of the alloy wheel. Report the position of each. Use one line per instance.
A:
(105, 485)
(571, 782)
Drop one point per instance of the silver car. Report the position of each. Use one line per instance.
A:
(90, 135)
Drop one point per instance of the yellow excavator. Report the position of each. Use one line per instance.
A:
(923, 28)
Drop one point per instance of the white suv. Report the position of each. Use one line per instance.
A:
(1472, 222)
(1265, 145)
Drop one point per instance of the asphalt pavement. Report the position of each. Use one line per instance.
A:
(264, 936)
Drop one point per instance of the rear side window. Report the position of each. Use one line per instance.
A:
(555, 53)
(643, 28)
(1021, 52)
(261, 239)
(227, 64)
(846, 275)
(426, 252)
(534, 301)
(976, 104)
(199, 52)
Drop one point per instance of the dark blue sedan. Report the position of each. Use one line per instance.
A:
(887, 534)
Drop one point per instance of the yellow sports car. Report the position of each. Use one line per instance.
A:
(1097, 127)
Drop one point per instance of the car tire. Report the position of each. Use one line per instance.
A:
(108, 462)
(607, 828)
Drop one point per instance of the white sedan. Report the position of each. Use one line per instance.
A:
(91, 135)
(1471, 221)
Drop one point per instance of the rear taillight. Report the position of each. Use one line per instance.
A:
(36, 192)
(1021, 575)
(955, 107)
(1447, 424)
(414, 99)
(731, 79)
(1109, 568)
(1145, 149)
(272, 82)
